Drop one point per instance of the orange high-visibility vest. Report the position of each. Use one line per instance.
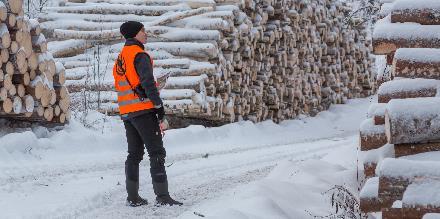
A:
(127, 79)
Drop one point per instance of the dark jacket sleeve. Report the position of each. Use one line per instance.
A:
(145, 71)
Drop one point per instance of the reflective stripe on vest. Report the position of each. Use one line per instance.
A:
(123, 93)
(127, 92)
(123, 83)
(128, 102)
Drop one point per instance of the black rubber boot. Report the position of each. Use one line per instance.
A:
(162, 195)
(133, 198)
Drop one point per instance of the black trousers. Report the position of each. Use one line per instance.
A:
(144, 130)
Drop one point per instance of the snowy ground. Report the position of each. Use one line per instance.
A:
(241, 170)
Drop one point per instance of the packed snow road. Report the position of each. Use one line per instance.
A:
(79, 173)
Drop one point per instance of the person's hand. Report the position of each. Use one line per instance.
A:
(163, 126)
(160, 113)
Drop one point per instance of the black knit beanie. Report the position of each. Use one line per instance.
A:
(130, 29)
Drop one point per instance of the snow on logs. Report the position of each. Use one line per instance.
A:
(245, 60)
(385, 10)
(377, 112)
(187, 49)
(413, 120)
(67, 48)
(106, 8)
(386, 1)
(419, 198)
(417, 63)
(422, 12)
(388, 37)
(395, 175)
(409, 24)
(191, 3)
(372, 136)
(407, 88)
(372, 157)
(369, 201)
(31, 83)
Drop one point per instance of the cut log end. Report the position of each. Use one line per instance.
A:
(7, 105)
(16, 6)
(17, 105)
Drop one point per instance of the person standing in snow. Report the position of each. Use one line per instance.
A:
(142, 112)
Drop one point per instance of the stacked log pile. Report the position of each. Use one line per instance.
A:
(228, 60)
(406, 113)
(409, 125)
(31, 82)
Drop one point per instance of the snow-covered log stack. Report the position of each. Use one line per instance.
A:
(31, 82)
(228, 60)
(420, 67)
(407, 109)
(411, 127)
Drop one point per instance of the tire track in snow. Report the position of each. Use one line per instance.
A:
(199, 182)
(51, 172)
